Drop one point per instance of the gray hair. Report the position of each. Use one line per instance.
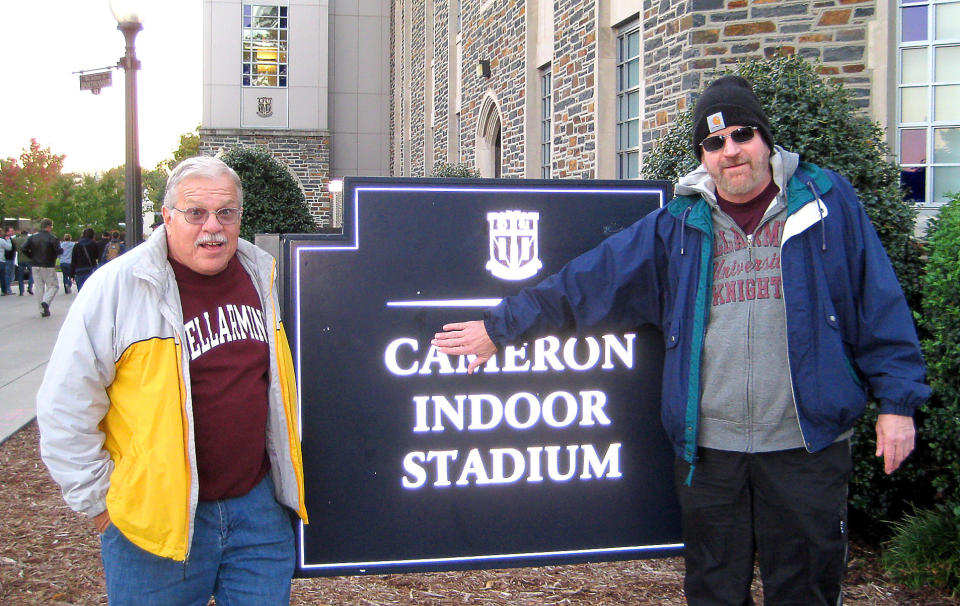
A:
(202, 167)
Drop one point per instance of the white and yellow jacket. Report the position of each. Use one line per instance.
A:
(115, 412)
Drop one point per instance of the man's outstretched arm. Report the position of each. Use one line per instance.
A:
(465, 338)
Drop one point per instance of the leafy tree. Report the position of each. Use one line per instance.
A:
(95, 201)
(272, 200)
(189, 147)
(30, 181)
(818, 120)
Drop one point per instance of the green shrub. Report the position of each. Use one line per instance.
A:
(819, 121)
(940, 428)
(454, 169)
(272, 200)
(925, 550)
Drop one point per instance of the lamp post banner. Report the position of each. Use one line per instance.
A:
(551, 453)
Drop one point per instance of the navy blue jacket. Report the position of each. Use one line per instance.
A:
(850, 334)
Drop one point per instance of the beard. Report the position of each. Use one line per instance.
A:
(753, 175)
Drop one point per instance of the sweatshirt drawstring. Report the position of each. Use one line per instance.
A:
(823, 229)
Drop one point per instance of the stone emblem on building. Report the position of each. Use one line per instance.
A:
(264, 107)
(514, 244)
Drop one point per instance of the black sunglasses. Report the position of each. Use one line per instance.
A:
(741, 135)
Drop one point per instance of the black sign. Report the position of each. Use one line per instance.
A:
(551, 453)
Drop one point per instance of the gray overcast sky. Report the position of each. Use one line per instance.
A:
(47, 40)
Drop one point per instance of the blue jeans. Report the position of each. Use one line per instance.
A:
(80, 276)
(65, 273)
(9, 268)
(24, 268)
(242, 554)
(6, 276)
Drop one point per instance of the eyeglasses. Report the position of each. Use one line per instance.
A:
(716, 142)
(198, 216)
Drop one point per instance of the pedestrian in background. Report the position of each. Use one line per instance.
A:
(113, 249)
(44, 248)
(84, 258)
(23, 262)
(102, 242)
(6, 261)
(66, 260)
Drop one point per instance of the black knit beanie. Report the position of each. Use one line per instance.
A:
(728, 101)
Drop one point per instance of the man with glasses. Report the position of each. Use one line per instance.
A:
(167, 414)
(781, 315)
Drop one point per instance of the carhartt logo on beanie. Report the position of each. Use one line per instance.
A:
(728, 101)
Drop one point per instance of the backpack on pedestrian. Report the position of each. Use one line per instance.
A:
(112, 251)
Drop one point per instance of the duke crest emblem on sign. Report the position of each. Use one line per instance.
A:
(514, 244)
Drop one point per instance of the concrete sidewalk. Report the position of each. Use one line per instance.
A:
(26, 341)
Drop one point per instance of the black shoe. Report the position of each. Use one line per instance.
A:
(30, 290)
(46, 310)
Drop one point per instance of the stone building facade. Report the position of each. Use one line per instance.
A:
(307, 79)
(535, 88)
(687, 41)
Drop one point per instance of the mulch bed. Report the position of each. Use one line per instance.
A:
(50, 555)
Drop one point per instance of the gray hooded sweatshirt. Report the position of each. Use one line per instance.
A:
(746, 402)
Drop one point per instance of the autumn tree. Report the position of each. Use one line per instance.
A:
(29, 182)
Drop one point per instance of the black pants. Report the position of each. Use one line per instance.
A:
(787, 507)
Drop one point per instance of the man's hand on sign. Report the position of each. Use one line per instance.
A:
(465, 338)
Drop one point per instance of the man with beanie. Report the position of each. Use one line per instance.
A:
(781, 317)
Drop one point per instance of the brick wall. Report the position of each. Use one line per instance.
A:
(307, 155)
(496, 34)
(686, 40)
(574, 105)
(443, 93)
(418, 75)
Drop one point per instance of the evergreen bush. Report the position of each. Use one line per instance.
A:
(818, 120)
(272, 200)
(940, 428)
(454, 169)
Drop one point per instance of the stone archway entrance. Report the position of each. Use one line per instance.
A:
(489, 140)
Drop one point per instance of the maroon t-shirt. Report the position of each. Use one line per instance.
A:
(748, 214)
(226, 339)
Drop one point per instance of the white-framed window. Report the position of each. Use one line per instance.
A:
(546, 122)
(928, 99)
(264, 45)
(628, 102)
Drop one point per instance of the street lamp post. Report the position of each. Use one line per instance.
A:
(129, 21)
